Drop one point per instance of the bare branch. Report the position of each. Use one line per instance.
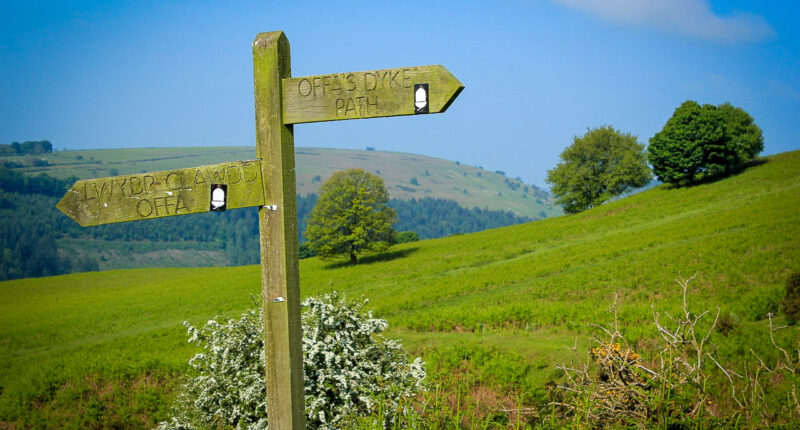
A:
(775, 344)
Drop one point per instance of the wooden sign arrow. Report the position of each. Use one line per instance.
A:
(159, 194)
(387, 92)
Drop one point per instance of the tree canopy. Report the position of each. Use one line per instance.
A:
(698, 141)
(27, 147)
(351, 216)
(745, 136)
(601, 164)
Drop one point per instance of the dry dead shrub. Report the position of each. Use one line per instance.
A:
(613, 387)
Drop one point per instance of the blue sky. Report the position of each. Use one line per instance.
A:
(537, 72)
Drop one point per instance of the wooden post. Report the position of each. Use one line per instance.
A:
(280, 284)
(280, 102)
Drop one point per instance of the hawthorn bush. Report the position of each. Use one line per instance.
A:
(350, 371)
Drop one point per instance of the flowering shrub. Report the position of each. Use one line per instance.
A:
(350, 370)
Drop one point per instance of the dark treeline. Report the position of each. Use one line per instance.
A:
(27, 147)
(32, 227)
(29, 227)
(12, 181)
(432, 218)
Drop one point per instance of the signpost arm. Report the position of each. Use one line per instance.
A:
(280, 282)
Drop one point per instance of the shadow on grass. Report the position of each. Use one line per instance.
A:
(735, 170)
(375, 258)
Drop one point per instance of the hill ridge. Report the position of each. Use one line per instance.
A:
(406, 175)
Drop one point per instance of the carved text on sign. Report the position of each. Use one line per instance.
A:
(356, 95)
(158, 194)
(369, 94)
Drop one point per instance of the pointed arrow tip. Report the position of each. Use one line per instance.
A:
(67, 206)
(455, 84)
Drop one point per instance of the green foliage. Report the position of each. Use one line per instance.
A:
(13, 181)
(406, 237)
(349, 370)
(791, 302)
(683, 148)
(12, 164)
(41, 241)
(601, 164)
(726, 323)
(699, 141)
(758, 304)
(27, 238)
(433, 218)
(351, 216)
(305, 251)
(745, 136)
(38, 162)
(27, 147)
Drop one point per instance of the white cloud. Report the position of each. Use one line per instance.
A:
(692, 18)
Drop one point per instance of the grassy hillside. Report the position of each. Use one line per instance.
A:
(495, 308)
(469, 186)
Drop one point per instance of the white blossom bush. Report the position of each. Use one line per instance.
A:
(350, 371)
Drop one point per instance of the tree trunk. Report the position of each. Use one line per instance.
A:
(353, 258)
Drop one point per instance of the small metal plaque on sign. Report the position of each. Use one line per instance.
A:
(219, 197)
(421, 98)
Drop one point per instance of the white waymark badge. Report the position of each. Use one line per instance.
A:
(219, 197)
(421, 98)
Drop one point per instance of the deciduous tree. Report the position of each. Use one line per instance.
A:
(601, 164)
(698, 141)
(351, 216)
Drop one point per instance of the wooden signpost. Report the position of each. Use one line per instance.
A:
(269, 183)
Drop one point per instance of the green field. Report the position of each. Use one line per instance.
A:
(497, 308)
(468, 185)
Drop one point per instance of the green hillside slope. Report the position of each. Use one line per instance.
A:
(498, 307)
(469, 186)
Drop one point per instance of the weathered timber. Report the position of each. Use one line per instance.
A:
(159, 194)
(280, 278)
(370, 94)
(269, 183)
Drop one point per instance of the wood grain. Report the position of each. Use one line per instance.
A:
(369, 94)
(280, 284)
(160, 194)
